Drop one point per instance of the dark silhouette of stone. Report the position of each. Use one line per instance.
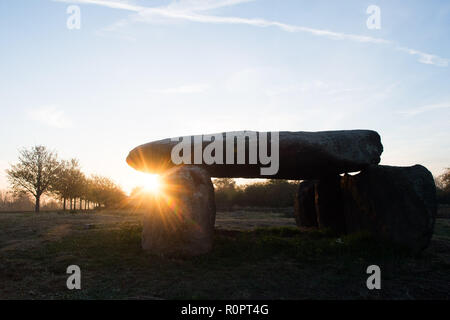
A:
(181, 221)
(302, 155)
(328, 204)
(393, 203)
(318, 203)
(304, 206)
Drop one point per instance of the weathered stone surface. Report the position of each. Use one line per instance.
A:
(304, 206)
(302, 155)
(329, 205)
(393, 203)
(181, 221)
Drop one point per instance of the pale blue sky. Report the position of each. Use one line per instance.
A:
(142, 70)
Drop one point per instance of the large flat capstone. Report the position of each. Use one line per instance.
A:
(291, 155)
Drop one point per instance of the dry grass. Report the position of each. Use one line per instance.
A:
(257, 255)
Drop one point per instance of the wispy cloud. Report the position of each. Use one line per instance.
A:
(191, 10)
(426, 108)
(188, 10)
(426, 58)
(50, 116)
(184, 89)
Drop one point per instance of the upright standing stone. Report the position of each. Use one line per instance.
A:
(318, 203)
(304, 206)
(393, 203)
(328, 204)
(181, 221)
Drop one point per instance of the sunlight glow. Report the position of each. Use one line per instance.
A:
(152, 183)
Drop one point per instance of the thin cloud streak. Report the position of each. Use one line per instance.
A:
(186, 10)
(258, 23)
(426, 58)
(189, 15)
(427, 108)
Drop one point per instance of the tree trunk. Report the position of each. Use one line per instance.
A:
(64, 204)
(37, 207)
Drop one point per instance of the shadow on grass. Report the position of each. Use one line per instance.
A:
(266, 263)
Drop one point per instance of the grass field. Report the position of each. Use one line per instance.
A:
(257, 255)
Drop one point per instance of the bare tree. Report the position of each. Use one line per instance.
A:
(444, 180)
(35, 172)
(104, 192)
(69, 184)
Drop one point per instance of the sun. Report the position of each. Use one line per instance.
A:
(152, 183)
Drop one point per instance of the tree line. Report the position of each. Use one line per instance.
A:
(443, 187)
(40, 172)
(272, 193)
